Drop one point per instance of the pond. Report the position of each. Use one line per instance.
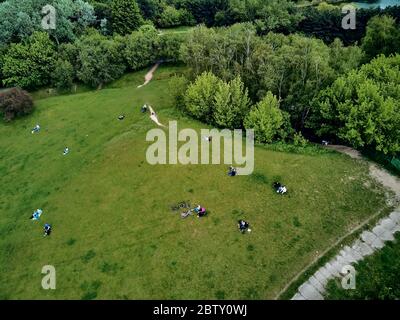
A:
(378, 3)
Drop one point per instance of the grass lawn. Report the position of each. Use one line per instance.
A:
(114, 234)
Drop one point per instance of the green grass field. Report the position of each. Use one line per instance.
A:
(114, 234)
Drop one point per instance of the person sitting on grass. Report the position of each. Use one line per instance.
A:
(36, 129)
(232, 171)
(66, 151)
(121, 117)
(47, 230)
(200, 211)
(280, 188)
(36, 214)
(144, 108)
(243, 226)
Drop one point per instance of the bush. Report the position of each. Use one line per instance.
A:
(15, 102)
(267, 120)
(63, 75)
(29, 64)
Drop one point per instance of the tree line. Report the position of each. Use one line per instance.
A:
(255, 70)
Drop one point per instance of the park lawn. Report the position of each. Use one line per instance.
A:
(114, 233)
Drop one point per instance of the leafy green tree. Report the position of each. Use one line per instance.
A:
(63, 75)
(126, 16)
(200, 97)
(21, 18)
(382, 36)
(170, 17)
(141, 46)
(29, 64)
(231, 104)
(362, 107)
(100, 60)
(267, 120)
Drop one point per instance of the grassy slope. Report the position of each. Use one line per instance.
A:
(114, 233)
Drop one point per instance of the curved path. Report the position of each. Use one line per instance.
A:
(366, 244)
(149, 75)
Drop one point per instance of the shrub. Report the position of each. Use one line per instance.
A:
(15, 102)
(267, 120)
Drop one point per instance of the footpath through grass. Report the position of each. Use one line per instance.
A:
(115, 235)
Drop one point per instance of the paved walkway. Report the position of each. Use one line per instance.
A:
(365, 245)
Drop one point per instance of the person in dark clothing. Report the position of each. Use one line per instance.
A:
(47, 230)
(243, 226)
(232, 171)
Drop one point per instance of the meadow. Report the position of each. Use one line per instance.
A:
(114, 233)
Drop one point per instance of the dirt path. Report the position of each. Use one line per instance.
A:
(314, 288)
(381, 175)
(149, 75)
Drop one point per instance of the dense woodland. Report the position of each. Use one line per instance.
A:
(287, 71)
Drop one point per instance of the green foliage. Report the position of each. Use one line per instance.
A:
(299, 140)
(294, 68)
(100, 60)
(29, 64)
(362, 108)
(126, 16)
(178, 86)
(231, 104)
(21, 18)
(15, 103)
(382, 37)
(141, 46)
(266, 119)
(63, 75)
(200, 97)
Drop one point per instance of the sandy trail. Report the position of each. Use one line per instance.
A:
(153, 116)
(384, 177)
(149, 75)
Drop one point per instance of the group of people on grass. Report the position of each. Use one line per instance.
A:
(36, 217)
(38, 212)
(243, 225)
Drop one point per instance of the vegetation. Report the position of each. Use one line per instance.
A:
(107, 228)
(363, 106)
(15, 103)
(286, 69)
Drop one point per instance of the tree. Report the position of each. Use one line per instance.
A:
(170, 17)
(126, 16)
(29, 64)
(362, 108)
(100, 60)
(266, 119)
(21, 18)
(14, 103)
(383, 36)
(141, 47)
(63, 75)
(231, 104)
(200, 97)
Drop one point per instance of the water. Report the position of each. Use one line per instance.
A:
(379, 3)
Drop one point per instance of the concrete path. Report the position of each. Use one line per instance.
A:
(365, 245)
